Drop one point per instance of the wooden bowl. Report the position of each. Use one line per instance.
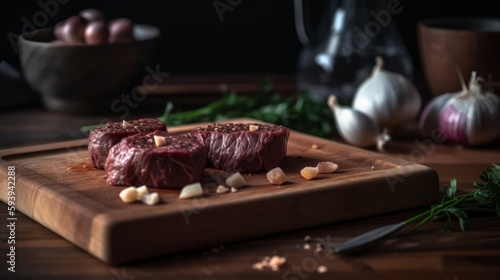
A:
(86, 78)
(464, 43)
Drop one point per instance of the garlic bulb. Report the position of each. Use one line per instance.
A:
(355, 127)
(387, 97)
(429, 118)
(472, 117)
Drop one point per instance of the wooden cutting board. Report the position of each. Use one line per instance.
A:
(53, 188)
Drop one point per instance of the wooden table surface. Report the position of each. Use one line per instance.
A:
(429, 253)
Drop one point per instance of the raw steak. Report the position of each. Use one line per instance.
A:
(136, 160)
(233, 147)
(101, 139)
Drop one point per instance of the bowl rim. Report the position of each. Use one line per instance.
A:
(26, 38)
(459, 24)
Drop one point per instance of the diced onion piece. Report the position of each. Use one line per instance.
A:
(327, 167)
(253, 127)
(236, 180)
(191, 190)
(126, 124)
(309, 172)
(150, 198)
(276, 176)
(141, 191)
(222, 189)
(129, 194)
(159, 140)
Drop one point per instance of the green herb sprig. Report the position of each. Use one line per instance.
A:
(298, 111)
(484, 199)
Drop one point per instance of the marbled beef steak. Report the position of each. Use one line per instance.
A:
(101, 139)
(234, 147)
(137, 160)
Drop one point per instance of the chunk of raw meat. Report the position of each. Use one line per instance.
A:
(137, 160)
(243, 147)
(101, 139)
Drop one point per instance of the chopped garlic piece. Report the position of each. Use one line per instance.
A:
(150, 198)
(253, 127)
(276, 176)
(327, 167)
(314, 146)
(159, 140)
(234, 189)
(309, 172)
(126, 124)
(141, 191)
(307, 246)
(129, 194)
(322, 269)
(236, 180)
(276, 261)
(222, 189)
(191, 190)
(258, 266)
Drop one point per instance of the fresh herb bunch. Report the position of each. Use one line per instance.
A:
(298, 112)
(485, 198)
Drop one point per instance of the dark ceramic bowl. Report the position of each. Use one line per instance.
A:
(83, 78)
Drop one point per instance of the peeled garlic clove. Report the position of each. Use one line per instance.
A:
(355, 127)
(388, 98)
(429, 118)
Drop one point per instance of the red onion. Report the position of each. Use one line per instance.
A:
(96, 33)
(71, 30)
(429, 118)
(473, 117)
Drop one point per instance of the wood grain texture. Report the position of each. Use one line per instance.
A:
(82, 208)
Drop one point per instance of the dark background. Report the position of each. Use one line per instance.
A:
(257, 36)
